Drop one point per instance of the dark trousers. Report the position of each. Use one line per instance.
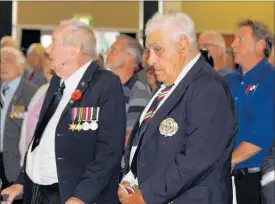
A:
(45, 194)
(248, 187)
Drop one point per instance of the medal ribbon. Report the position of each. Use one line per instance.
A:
(84, 113)
(74, 114)
(79, 115)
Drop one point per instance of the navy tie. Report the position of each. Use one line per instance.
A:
(147, 118)
(51, 109)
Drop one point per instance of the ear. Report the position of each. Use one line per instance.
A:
(260, 45)
(183, 45)
(220, 51)
(76, 51)
(21, 69)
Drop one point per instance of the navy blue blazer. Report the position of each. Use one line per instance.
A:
(88, 162)
(193, 166)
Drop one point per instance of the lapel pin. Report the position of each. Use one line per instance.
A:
(83, 84)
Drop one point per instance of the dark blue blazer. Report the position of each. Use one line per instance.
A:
(88, 162)
(193, 166)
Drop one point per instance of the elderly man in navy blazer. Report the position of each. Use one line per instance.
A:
(180, 149)
(75, 154)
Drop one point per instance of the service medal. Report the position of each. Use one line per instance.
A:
(94, 118)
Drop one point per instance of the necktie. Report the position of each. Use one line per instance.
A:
(31, 76)
(3, 94)
(148, 116)
(48, 115)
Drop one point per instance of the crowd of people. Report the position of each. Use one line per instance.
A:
(183, 120)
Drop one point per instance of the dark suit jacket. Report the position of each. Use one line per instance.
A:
(88, 162)
(192, 166)
(12, 130)
(38, 78)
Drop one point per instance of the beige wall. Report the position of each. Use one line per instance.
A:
(172, 6)
(224, 16)
(105, 14)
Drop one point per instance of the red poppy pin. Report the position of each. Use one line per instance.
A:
(77, 94)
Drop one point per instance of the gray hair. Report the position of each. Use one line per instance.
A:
(176, 23)
(218, 38)
(133, 47)
(80, 34)
(260, 32)
(19, 56)
(12, 42)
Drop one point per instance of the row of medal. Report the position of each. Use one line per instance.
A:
(84, 118)
(17, 111)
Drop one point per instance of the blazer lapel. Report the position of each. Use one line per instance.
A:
(55, 83)
(18, 93)
(82, 85)
(15, 99)
(171, 101)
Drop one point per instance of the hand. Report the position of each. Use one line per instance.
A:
(124, 198)
(74, 200)
(12, 191)
(137, 197)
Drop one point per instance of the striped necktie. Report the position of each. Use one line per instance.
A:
(148, 116)
(3, 94)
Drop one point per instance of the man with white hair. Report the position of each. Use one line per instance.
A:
(214, 43)
(16, 93)
(8, 41)
(180, 149)
(75, 154)
(123, 58)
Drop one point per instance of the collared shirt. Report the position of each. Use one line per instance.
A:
(13, 85)
(41, 163)
(130, 177)
(254, 99)
(137, 95)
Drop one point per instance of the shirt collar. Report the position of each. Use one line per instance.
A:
(13, 84)
(130, 83)
(255, 72)
(72, 81)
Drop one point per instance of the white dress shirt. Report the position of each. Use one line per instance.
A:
(41, 163)
(130, 177)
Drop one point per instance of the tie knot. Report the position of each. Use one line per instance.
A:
(4, 90)
(61, 87)
(167, 88)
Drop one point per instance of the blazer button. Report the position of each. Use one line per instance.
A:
(59, 135)
(60, 158)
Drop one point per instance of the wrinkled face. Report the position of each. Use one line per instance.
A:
(34, 61)
(165, 56)
(9, 67)
(59, 53)
(208, 42)
(151, 76)
(245, 46)
(117, 55)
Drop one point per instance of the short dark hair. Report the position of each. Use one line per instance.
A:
(260, 32)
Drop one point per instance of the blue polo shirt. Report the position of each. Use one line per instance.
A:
(254, 94)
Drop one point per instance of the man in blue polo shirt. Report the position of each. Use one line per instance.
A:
(252, 87)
